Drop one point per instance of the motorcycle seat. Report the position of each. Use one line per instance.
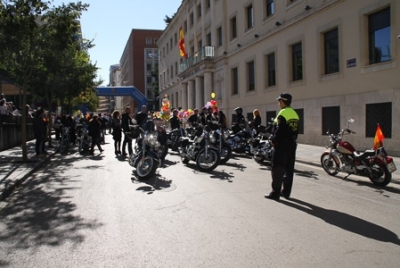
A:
(364, 154)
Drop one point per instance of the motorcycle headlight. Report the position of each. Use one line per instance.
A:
(212, 137)
(150, 139)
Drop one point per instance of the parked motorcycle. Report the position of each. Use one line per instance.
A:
(199, 150)
(83, 139)
(342, 157)
(260, 146)
(147, 154)
(173, 138)
(239, 140)
(65, 141)
(218, 141)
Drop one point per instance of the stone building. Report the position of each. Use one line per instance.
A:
(339, 59)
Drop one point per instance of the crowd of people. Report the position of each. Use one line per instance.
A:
(283, 138)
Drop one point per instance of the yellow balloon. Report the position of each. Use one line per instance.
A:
(213, 95)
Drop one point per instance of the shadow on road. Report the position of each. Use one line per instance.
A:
(41, 212)
(345, 221)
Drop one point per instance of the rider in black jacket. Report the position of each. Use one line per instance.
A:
(126, 120)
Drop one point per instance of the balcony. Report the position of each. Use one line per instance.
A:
(205, 53)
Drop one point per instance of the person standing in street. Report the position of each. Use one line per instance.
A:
(141, 117)
(286, 127)
(116, 131)
(94, 132)
(40, 128)
(126, 120)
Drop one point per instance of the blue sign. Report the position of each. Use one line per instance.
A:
(123, 91)
(351, 63)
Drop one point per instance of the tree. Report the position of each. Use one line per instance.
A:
(20, 40)
(43, 52)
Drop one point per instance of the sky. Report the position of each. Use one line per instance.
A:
(109, 24)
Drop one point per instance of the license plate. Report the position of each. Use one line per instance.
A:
(391, 167)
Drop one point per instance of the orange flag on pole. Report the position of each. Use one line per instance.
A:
(378, 140)
(182, 47)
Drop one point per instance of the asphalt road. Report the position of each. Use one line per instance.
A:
(90, 211)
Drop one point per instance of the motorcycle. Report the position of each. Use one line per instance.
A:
(342, 157)
(199, 150)
(260, 146)
(173, 138)
(239, 140)
(218, 138)
(148, 152)
(83, 139)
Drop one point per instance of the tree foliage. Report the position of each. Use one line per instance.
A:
(42, 50)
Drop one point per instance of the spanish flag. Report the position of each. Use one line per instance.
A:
(182, 48)
(378, 140)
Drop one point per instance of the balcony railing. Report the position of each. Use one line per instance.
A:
(206, 52)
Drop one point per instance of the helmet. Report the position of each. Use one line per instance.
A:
(238, 110)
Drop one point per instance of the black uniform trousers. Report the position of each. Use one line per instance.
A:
(282, 171)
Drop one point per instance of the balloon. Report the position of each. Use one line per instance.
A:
(213, 95)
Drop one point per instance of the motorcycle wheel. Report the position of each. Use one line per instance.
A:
(329, 164)
(146, 167)
(226, 153)
(208, 163)
(380, 175)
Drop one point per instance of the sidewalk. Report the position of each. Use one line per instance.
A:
(13, 171)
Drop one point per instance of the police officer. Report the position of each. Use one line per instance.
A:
(284, 141)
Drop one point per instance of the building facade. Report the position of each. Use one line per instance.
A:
(339, 59)
(138, 61)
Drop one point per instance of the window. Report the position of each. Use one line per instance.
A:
(176, 39)
(172, 71)
(219, 36)
(148, 67)
(199, 44)
(208, 39)
(269, 8)
(379, 36)
(249, 17)
(250, 76)
(233, 28)
(191, 17)
(235, 81)
(379, 113)
(270, 115)
(176, 68)
(208, 4)
(185, 26)
(331, 51)
(199, 10)
(271, 70)
(148, 79)
(330, 120)
(149, 54)
(149, 40)
(297, 62)
(300, 113)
